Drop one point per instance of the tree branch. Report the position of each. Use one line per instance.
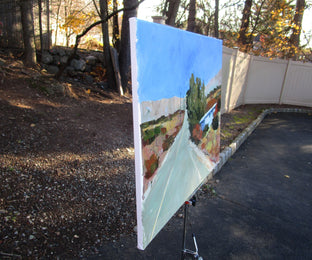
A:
(257, 20)
(96, 8)
(106, 19)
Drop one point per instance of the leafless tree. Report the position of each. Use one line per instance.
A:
(243, 39)
(48, 23)
(40, 25)
(216, 19)
(106, 46)
(124, 54)
(28, 32)
(295, 36)
(192, 16)
(59, 3)
(171, 14)
(116, 36)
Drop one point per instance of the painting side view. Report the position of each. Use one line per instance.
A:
(176, 81)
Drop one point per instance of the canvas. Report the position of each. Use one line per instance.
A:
(176, 87)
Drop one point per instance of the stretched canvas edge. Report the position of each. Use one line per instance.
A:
(136, 131)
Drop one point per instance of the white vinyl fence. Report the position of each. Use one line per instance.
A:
(248, 79)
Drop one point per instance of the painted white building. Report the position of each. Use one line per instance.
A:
(207, 118)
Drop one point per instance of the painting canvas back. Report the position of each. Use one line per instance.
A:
(176, 85)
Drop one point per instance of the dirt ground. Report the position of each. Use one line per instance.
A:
(67, 164)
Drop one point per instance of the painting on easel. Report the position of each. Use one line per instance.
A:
(176, 87)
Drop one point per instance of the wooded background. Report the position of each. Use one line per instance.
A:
(259, 27)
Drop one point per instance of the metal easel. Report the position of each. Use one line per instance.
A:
(187, 252)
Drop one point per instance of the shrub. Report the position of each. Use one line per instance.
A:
(167, 143)
(151, 166)
(215, 123)
(197, 134)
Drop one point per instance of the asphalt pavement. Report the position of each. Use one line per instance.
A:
(259, 205)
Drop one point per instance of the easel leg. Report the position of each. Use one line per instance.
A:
(187, 252)
(184, 231)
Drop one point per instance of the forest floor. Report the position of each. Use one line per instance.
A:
(67, 163)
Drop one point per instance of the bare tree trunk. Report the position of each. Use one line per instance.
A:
(68, 6)
(66, 28)
(208, 26)
(216, 19)
(106, 46)
(191, 17)
(116, 36)
(40, 26)
(172, 12)
(57, 19)
(295, 36)
(48, 23)
(164, 11)
(124, 55)
(28, 32)
(243, 39)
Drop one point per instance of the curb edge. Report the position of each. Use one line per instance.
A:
(226, 154)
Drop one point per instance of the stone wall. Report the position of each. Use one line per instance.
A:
(87, 66)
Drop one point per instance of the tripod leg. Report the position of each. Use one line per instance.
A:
(195, 243)
(184, 232)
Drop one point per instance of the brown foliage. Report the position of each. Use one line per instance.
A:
(151, 165)
(197, 133)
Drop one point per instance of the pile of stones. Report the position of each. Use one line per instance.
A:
(81, 67)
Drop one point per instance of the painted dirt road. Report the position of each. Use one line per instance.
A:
(183, 169)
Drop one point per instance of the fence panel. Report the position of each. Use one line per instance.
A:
(265, 81)
(227, 69)
(248, 79)
(237, 89)
(298, 85)
(234, 75)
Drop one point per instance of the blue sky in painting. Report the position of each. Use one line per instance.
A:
(167, 57)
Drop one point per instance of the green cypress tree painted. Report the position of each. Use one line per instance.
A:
(195, 101)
